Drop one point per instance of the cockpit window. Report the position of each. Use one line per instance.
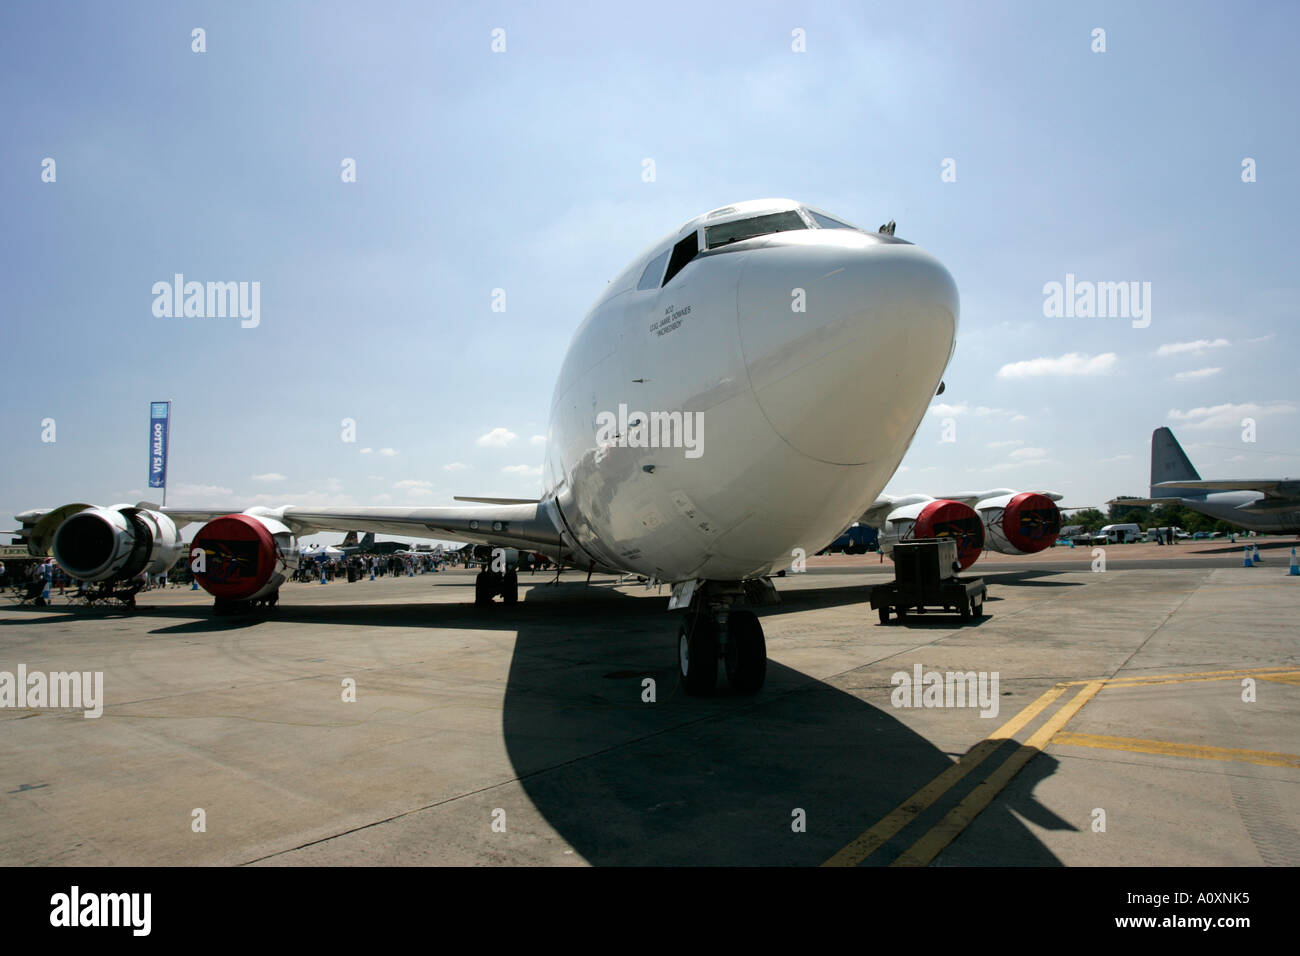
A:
(826, 222)
(650, 278)
(741, 229)
(687, 248)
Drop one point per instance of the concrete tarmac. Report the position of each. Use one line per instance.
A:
(1143, 716)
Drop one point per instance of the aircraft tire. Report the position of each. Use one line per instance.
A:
(697, 655)
(510, 589)
(746, 653)
(484, 587)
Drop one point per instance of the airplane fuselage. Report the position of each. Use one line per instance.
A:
(786, 374)
(1247, 509)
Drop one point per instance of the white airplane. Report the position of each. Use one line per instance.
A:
(338, 552)
(1002, 520)
(738, 389)
(1266, 505)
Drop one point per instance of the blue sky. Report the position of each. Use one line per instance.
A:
(522, 170)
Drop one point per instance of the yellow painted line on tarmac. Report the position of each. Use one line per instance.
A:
(1189, 677)
(907, 811)
(933, 842)
(1292, 679)
(1267, 758)
(1281, 677)
(939, 836)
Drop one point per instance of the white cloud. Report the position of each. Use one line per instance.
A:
(537, 440)
(412, 483)
(1005, 444)
(198, 492)
(1019, 418)
(1195, 374)
(1022, 465)
(1228, 415)
(532, 471)
(388, 452)
(269, 476)
(1072, 363)
(1197, 347)
(1107, 461)
(944, 410)
(456, 466)
(1024, 454)
(366, 451)
(496, 438)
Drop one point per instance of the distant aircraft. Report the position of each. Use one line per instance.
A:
(337, 551)
(1266, 505)
(809, 347)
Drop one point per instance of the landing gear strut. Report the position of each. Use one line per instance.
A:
(712, 632)
(488, 584)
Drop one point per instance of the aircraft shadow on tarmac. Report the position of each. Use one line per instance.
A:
(1028, 579)
(685, 780)
(717, 780)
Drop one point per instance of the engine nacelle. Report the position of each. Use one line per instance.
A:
(114, 544)
(1023, 523)
(243, 557)
(936, 518)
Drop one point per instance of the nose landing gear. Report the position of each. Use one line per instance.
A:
(714, 632)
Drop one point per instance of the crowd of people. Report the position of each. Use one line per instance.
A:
(323, 568)
(27, 575)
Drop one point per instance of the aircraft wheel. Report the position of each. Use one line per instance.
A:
(977, 607)
(510, 592)
(746, 653)
(884, 614)
(484, 588)
(697, 655)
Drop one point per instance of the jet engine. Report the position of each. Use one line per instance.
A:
(1023, 523)
(243, 557)
(104, 545)
(936, 518)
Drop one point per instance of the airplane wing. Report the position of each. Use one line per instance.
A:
(882, 506)
(524, 526)
(1273, 488)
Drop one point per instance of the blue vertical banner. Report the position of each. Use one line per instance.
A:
(159, 413)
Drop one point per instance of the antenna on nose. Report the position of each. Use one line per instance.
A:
(887, 229)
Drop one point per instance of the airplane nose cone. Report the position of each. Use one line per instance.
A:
(845, 337)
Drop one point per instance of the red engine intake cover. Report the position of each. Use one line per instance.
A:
(1031, 521)
(952, 519)
(240, 555)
